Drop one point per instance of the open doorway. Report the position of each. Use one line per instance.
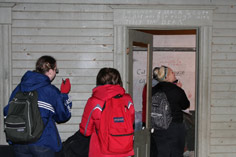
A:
(176, 49)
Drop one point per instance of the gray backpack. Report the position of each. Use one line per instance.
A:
(160, 111)
(23, 123)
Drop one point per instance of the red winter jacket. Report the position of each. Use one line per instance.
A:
(92, 113)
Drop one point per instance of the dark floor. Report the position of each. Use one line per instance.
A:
(6, 151)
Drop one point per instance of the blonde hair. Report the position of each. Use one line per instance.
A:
(155, 72)
(162, 73)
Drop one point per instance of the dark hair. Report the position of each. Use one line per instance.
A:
(44, 64)
(109, 76)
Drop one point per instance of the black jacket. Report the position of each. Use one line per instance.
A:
(176, 97)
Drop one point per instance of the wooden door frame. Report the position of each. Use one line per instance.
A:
(142, 137)
(204, 26)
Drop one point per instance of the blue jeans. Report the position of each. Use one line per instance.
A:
(33, 151)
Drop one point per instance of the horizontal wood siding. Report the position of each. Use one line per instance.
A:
(223, 92)
(80, 37)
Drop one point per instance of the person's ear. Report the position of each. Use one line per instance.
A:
(50, 71)
(49, 74)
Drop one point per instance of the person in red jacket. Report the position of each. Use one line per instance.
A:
(144, 94)
(109, 84)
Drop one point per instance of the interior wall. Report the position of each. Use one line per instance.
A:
(183, 64)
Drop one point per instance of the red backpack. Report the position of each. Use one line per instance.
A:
(116, 126)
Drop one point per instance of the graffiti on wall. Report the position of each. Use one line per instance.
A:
(182, 63)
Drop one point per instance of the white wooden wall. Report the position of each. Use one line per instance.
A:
(223, 92)
(80, 37)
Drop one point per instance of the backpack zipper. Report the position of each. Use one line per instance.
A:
(29, 118)
(123, 134)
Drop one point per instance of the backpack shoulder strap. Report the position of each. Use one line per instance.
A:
(116, 97)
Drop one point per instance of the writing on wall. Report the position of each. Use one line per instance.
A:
(161, 17)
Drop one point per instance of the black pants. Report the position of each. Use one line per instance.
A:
(153, 151)
(170, 142)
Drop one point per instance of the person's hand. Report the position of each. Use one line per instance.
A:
(65, 86)
(179, 84)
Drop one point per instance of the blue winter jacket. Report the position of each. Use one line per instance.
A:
(54, 107)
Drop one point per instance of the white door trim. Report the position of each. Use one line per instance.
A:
(5, 61)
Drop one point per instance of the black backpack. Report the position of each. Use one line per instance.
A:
(160, 112)
(76, 145)
(23, 123)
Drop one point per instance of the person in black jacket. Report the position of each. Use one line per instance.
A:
(171, 142)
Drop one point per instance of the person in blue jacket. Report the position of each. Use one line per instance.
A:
(54, 106)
